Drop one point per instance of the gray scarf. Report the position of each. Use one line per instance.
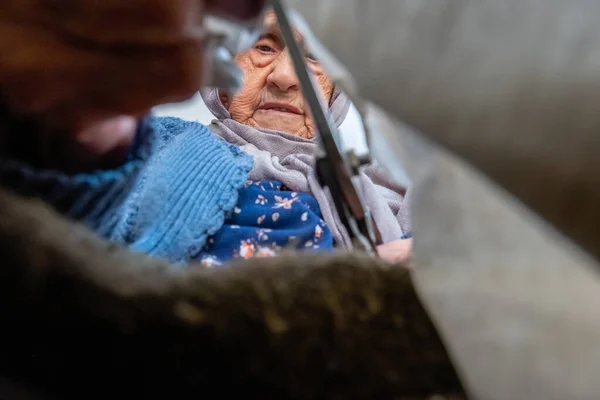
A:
(290, 160)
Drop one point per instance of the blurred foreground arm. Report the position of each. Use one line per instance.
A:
(83, 71)
(79, 313)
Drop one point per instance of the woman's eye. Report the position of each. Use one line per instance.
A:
(264, 48)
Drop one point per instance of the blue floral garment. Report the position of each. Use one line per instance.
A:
(268, 218)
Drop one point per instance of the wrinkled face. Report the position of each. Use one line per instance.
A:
(271, 97)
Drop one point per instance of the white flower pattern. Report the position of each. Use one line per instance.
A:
(210, 262)
(289, 213)
(264, 252)
(262, 234)
(318, 232)
(261, 200)
(286, 204)
(247, 249)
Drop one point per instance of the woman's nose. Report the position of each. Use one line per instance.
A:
(283, 75)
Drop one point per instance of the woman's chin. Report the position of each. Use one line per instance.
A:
(292, 127)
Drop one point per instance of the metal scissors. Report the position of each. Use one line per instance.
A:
(223, 40)
(335, 168)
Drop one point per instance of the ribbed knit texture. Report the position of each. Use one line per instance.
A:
(175, 189)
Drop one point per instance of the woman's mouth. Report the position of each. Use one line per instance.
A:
(282, 108)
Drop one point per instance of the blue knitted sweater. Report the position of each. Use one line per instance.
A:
(165, 209)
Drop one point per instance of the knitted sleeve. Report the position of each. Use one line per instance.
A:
(174, 190)
(184, 193)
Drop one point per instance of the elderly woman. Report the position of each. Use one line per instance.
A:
(268, 119)
(161, 186)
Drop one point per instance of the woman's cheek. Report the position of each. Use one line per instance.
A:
(247, 99)
(242, 105)
(253, 59)
(326, 86)
(261, 60)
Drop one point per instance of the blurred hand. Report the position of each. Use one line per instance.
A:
(78, 66)
(397, 251)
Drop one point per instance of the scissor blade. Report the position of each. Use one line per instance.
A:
(332, 167)
(321, 119)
